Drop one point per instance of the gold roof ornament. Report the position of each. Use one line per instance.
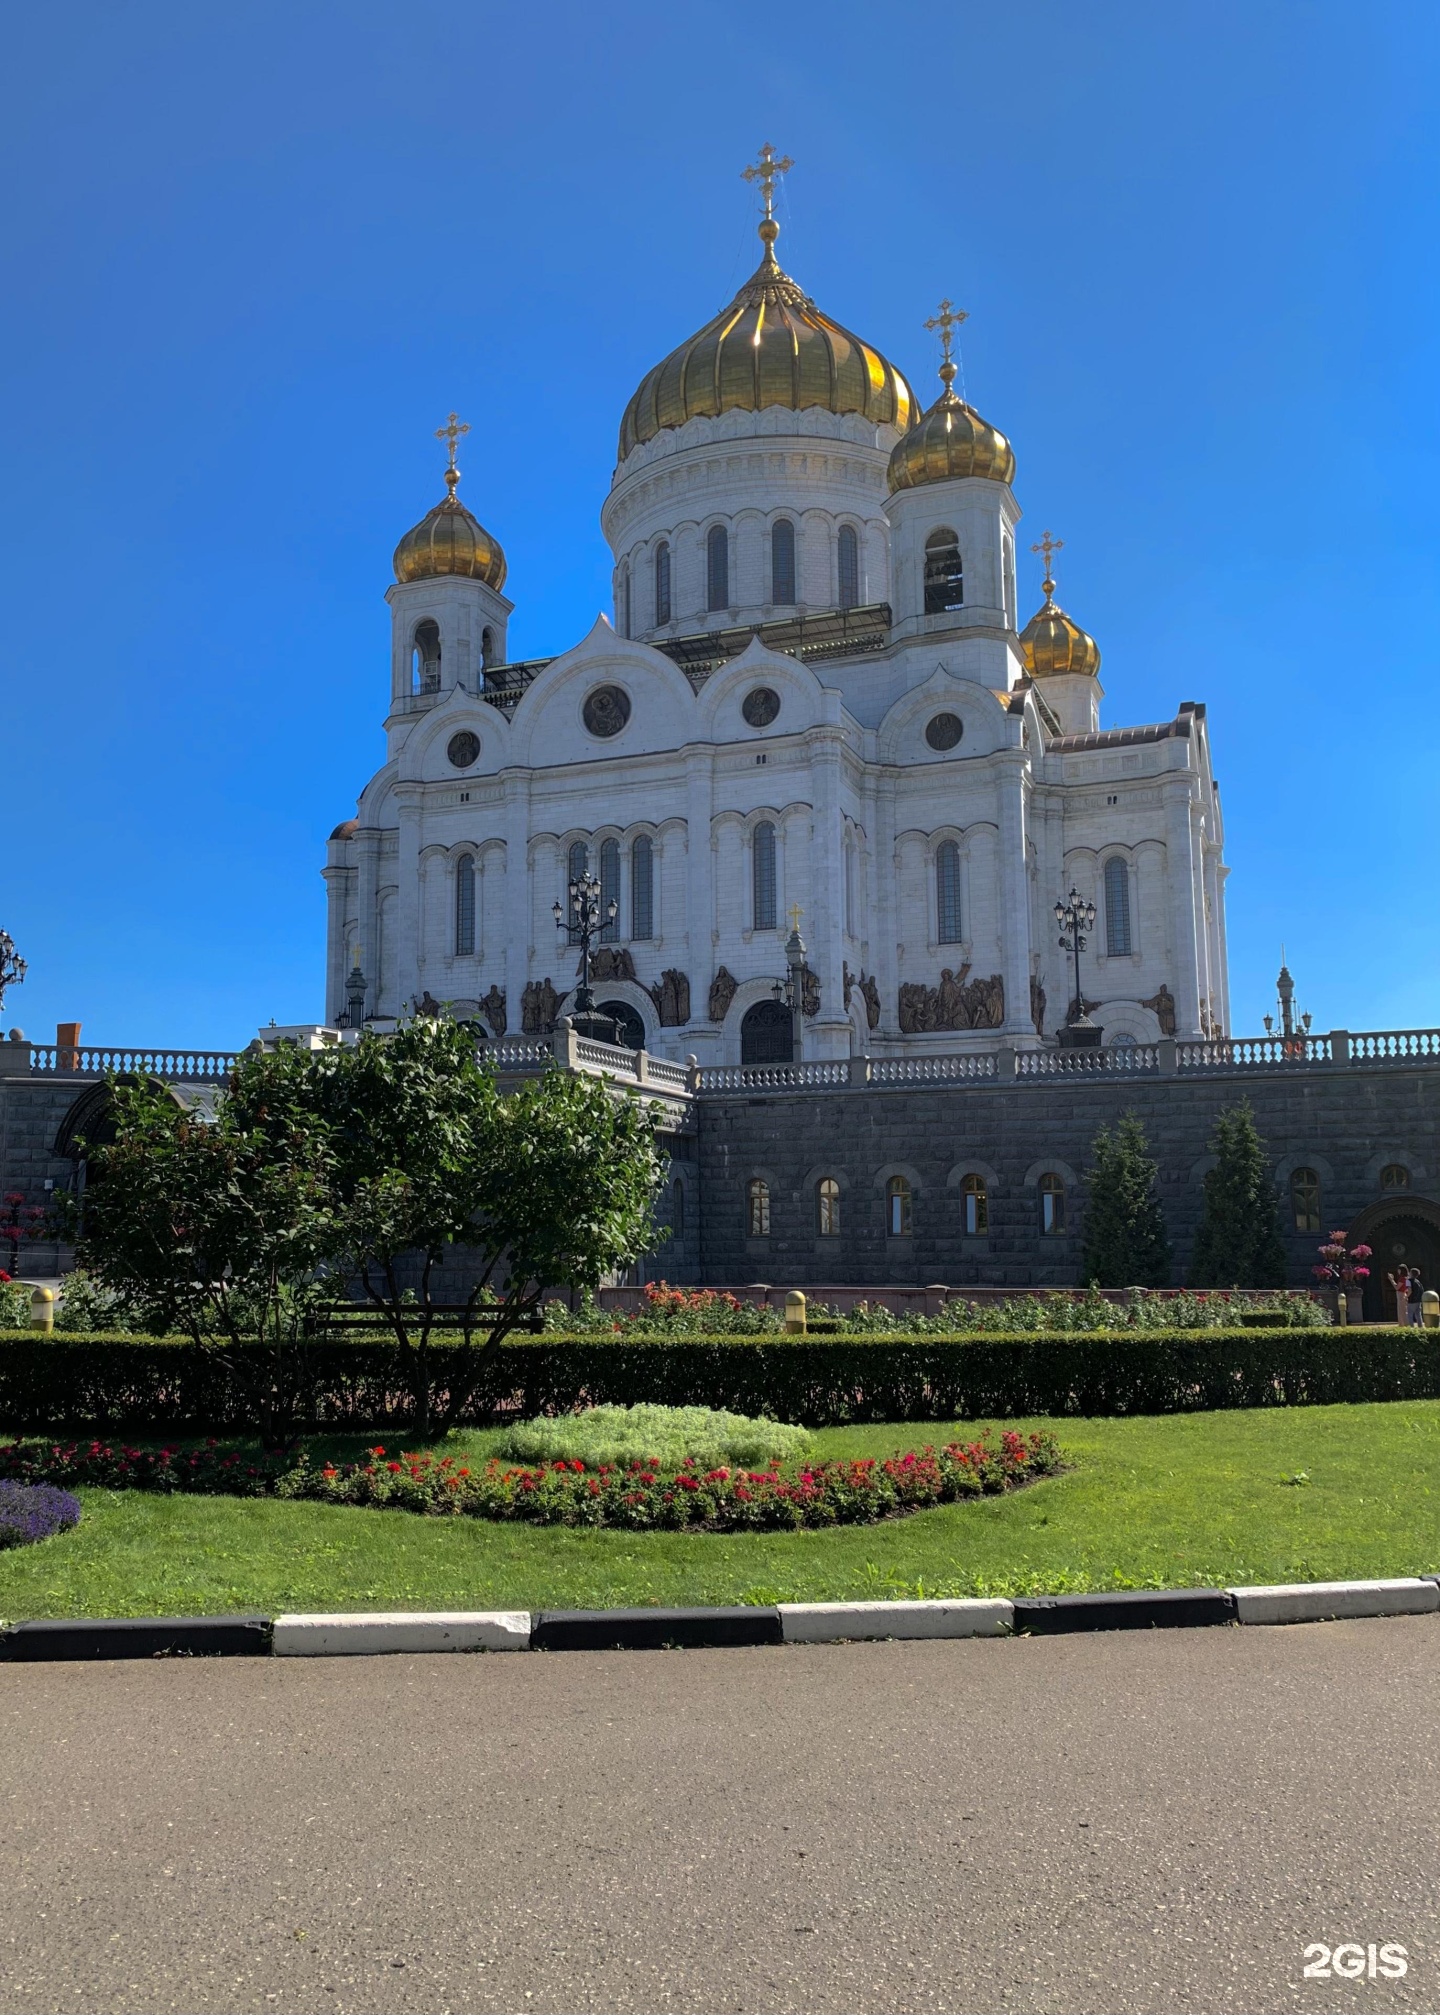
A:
(448, 540)
(771, 347)
(1050, 643)
(950, 441)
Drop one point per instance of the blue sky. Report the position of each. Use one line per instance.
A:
(254, 256)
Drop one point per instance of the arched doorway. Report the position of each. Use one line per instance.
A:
(632, 1029)
(767, 1034)
(1401, 1230)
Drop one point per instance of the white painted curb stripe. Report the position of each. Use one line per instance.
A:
(331, 1636)
(1322, 1601)
(841, 1622)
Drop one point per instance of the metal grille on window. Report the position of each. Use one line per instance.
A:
(662, 583)
(828, 1196)
(1052, 1204)
(642, 888)
(897, 1207)
(974, 1206)
(947, 892)
(1117, 909)
(762, 847)
(717, 568)
(579, 862)
(1305, 1199)
(609, 889)
(847, 559)
(944, 574)
(782, 563)
(464, 906)
(757, 1208)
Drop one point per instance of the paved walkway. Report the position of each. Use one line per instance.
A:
(1147, 1822)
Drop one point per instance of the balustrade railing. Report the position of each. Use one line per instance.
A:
(203, 1066)
(931, 1069)
(1394, 1045)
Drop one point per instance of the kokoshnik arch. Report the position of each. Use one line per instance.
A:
(814, 690)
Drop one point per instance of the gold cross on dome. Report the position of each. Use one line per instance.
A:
(1049, 547)
(794, 913)
(947, 320)
(766, 171)
(450, 433)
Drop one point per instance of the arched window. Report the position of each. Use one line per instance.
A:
(677, 1209)
(782, 563)
(487, 649)
(1117, 909)
(642, 888)
(1052, 1205)
(626, 629)
(425, 658)
(944, 575)
(762, 875)
(1394, 1175)
(897, 1207)
(578, 864)
(1007, 548)
(974, 1207)
(609, 889)
(757, 1207)
(1305, 1199)
(767, 1034)
(827, 1199)
(847, 567)
(947, 892)
(464, 906)
(717, 568)
(662, 583)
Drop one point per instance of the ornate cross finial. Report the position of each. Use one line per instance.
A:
(766, 171)
(947, 320)
(1049, 547)
(794, 913)
(450, 433)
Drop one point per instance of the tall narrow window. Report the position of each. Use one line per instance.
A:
(974, 1207)
(944, 575)
(1117, 909)
(487, 649)
(827, 1197)
(717, 568)
(578, 864)
(1305, 1199)
(1052, 1205)
(757, 1207)
(626, 628)
(782, 563)
(850, 887)
(677, 1208)
(662, 583)
(897, 1207)
(464, 906)
(847, 567)
(425, 657)
(1008, 554)
(609, 889)
(762, 874)
(947, 892)
(642, 888)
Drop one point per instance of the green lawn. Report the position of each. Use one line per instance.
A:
(1180, 1499)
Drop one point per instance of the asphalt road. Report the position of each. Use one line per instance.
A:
(1147, 1821)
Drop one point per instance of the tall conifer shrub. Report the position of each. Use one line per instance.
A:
(1126, 1243)
(1238, 1243)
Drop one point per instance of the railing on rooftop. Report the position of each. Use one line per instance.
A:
(203, 1066)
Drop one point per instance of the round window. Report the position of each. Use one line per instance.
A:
(943, 731)
(606, 711)
(462, 749)
(760, 706)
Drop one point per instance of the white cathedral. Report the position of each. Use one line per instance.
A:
(815, 706)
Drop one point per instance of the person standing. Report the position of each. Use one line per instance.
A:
(1417, 1297)
(1400, 1281)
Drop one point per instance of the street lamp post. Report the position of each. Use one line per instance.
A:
(790, 992)
(588, 916)
(1075, 918)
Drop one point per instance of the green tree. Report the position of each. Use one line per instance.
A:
(551, 1185)
(1238, 1243)
(1126, 1243)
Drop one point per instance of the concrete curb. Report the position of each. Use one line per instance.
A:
(342, 1634)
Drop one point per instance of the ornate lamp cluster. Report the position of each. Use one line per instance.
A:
(588, 914)
(12, 966)
(1075, 917)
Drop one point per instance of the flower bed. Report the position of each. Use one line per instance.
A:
(30, 1512)
(639, 1497)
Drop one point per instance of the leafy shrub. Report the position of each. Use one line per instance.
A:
(640, 1496)
(613, 1437)
(34, 1511)
(85, 1304)
(14, 1303)
(668, 1311)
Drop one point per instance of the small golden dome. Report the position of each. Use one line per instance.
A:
(1052, 645)
(951, 440)
(448, 540)
(771, 347)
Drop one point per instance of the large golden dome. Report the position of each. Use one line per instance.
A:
(951, 440)
(1050, 643)
(771, 347)
(448, 540)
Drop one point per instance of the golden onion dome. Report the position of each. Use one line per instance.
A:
(771, 347)
(951, 440)
(448, 540)
(1050, 643)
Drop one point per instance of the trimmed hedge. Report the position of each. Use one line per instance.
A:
(141, 1383)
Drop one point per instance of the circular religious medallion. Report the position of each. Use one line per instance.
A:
(760, 706)
(462, 749)
(606, 711)
(943, 731)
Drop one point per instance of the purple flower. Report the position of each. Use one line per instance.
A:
(31, 1511)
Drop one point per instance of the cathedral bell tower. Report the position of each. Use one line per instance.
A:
(447, 613)
(1062, 655)
(952, 526)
